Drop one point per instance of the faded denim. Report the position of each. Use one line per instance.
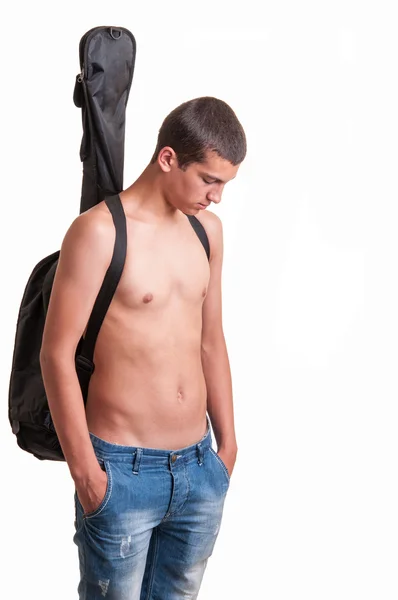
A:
(152, 534)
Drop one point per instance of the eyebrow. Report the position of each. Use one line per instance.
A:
(216, 179)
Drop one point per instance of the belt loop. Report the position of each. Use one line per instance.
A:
(199, 452)
(137, 460)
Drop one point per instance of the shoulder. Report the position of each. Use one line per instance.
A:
(213, 227)
(89, 239)
(210, 220)
(95, 221)
(93, 227)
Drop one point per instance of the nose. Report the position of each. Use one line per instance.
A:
(215, 195)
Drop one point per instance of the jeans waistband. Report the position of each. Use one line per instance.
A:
(118, 452)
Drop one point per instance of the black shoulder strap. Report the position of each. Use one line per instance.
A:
(111, 279)
(201, 233)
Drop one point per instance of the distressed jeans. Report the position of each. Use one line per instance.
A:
(152, 534)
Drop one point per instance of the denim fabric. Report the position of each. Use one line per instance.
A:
(152, 534)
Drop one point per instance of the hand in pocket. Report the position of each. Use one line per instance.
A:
(92, 490)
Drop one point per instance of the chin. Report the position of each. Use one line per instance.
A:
(191, 210)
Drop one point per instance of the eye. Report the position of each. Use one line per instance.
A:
(208, 182)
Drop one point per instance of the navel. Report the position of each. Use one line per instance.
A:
(147, 298)
(180, 395)
(204, 292)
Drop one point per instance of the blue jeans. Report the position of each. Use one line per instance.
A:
(152, 534)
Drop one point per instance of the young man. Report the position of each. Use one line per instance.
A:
(150, 489)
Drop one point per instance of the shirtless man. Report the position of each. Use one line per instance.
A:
(149, 487)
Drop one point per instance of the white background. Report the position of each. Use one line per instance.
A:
(309, 280)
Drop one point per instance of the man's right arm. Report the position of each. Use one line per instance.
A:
(85, 255)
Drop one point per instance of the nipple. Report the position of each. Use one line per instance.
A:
(147, 298)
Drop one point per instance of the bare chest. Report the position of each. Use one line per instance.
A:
(163, 267)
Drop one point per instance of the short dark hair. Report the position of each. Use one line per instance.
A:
(201, 125)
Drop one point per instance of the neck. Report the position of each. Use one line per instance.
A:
(145, 197)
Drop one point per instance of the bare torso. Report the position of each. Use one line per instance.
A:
(148, 387)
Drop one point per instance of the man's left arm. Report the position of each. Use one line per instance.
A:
(214, 353)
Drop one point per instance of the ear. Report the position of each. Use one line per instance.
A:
(167, 158)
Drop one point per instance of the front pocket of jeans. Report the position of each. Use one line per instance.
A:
(221, 463)
(105, 466)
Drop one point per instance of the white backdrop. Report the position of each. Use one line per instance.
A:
(309, 288)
